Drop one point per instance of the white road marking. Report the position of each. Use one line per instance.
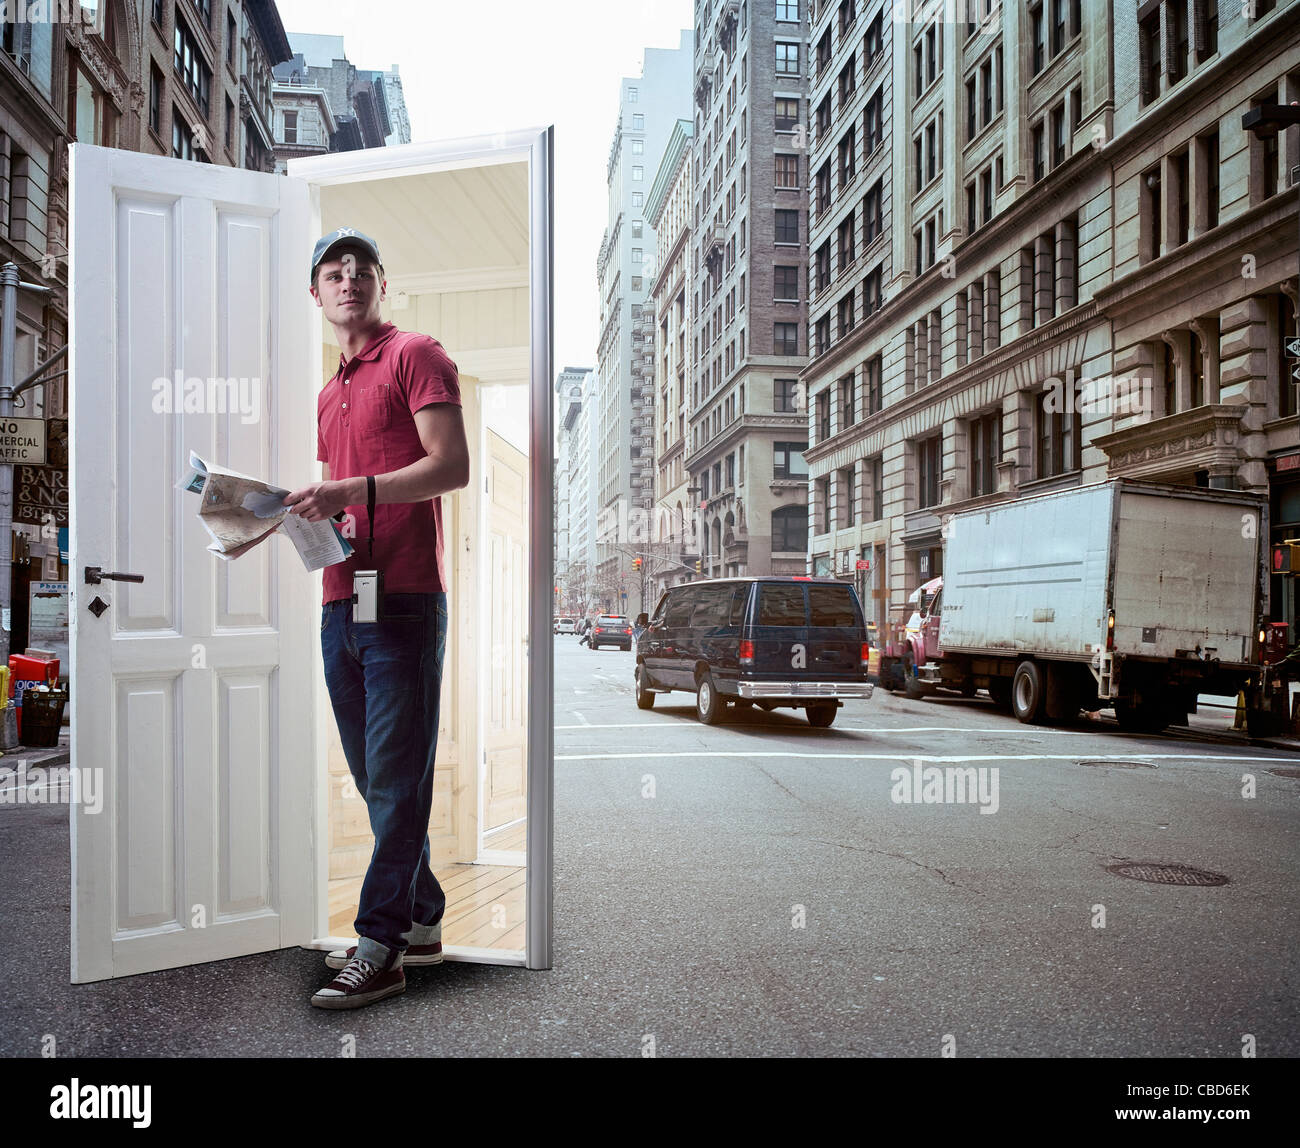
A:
(929, 757)
(669, 722)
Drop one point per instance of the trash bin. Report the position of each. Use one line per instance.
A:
(43, 715)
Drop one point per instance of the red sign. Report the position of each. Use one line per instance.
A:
(1288, 462)
(863, 564)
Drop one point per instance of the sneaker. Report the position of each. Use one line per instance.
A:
(430, 954)
(361, 983)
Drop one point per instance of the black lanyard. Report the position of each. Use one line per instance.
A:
(370, 512)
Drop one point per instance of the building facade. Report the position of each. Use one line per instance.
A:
(746, 432)
(673, 546)
(649, 107)
(575, 479)
(1044, 253)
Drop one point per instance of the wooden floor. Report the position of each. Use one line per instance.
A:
(485, 903)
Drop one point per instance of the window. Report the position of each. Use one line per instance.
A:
(787, 172)
(787, 460)
(929, 463)
(1206, 24)
(637, 226)
(785, 338)
(159, 12)
(871, 124)
(1264, 159)
(638, 173)
(788, 11)
(846, 493)
(787, 225)
(931, 64)
(1058, 448)
(986, 92)
(232, 34)
(785, 396)
(822, 262)
(638, 199)
(787, 113)
(847, 158)
(1036, 38)
(823, 416)
(823, 187)
(822, 335)
(789, 535)
(1040, 168)
(1177, 31)
(182, 138)
(1183, 191)
(986, 194)
(290, 127)
(848, 252)
(633, 95)
(971, 120)
(985, 453)
(824, 504)
(872, 213)
(1151, 214)
(155, 99)
(638, 122)
(205, 10)
(876, 474)
(848, 415)
(638, 147)
(846, 314)
(787, 59)
(871, 291)
(786, 284)
(1058, 135)
(848, 81)
(1058, 27)
(636, 255)
(1149, 57)
(874, 42)
(871, 375)
(190, 66)
(1210, 150)
(230, 124)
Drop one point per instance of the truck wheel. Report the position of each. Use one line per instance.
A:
(710, 706)
(820, 716)
(644, 698)
(1027, 692)
(1263, 723)
(968, 687)
(911, 687)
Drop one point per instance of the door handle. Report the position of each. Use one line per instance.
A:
(94, 576)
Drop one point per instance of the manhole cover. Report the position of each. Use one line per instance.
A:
(1286, 772)
(1159, 874)
(1116, 763)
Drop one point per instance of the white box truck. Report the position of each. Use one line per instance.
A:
(1126, 594)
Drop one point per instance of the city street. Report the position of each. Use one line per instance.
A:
(921, 920)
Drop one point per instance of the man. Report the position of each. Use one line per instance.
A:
(392, 439)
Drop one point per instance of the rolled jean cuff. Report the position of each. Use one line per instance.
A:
(424, 934)
(372, 951)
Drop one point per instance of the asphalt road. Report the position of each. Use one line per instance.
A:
(757, 889)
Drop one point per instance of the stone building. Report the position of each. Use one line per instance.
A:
(649, 107)
(672, 548)
(1063, 260)
(747, 431)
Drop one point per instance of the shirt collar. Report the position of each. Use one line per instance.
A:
(371, 350)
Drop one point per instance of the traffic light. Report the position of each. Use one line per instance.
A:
(636, 563)
(1286, 558)
(699, 566)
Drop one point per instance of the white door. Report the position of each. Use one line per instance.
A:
(188, 689)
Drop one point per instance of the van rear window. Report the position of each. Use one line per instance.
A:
(831, 606)
(780, 605)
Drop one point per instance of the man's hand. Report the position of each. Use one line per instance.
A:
(321, 500)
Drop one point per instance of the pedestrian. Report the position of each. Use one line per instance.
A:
(392, 438)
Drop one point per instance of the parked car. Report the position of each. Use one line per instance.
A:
(611, 630)
(564, 625)
(795, 642)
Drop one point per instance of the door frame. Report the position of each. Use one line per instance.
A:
(536, 147)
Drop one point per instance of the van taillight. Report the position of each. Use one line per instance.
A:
(866, 653)
(746, 650)
(1110, 632)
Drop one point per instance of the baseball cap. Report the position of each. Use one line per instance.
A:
(327, 243)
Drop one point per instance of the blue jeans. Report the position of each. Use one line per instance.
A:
(385, 682)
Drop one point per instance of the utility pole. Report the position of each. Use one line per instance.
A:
(9, 285)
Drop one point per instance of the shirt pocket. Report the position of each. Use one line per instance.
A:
(374, 407)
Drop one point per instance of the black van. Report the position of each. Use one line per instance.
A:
(796, 642)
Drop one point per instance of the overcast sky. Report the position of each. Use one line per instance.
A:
(470, 68)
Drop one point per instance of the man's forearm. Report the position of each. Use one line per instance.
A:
(424, 479)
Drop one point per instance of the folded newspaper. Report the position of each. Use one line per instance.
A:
(239, 511)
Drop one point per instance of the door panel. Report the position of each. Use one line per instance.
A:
(188, 698)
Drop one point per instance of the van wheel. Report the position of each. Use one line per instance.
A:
(710, 706)
(1027, 692)
(644, 698)
(820, 716)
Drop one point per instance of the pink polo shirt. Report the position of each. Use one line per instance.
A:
(365, 425)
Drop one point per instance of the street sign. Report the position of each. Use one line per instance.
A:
(863, 564)
(1295, 371)
(1293, 348)
(22, 441)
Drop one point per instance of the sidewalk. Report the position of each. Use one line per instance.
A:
(1216, 715)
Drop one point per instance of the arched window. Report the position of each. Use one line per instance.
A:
(790, 529)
